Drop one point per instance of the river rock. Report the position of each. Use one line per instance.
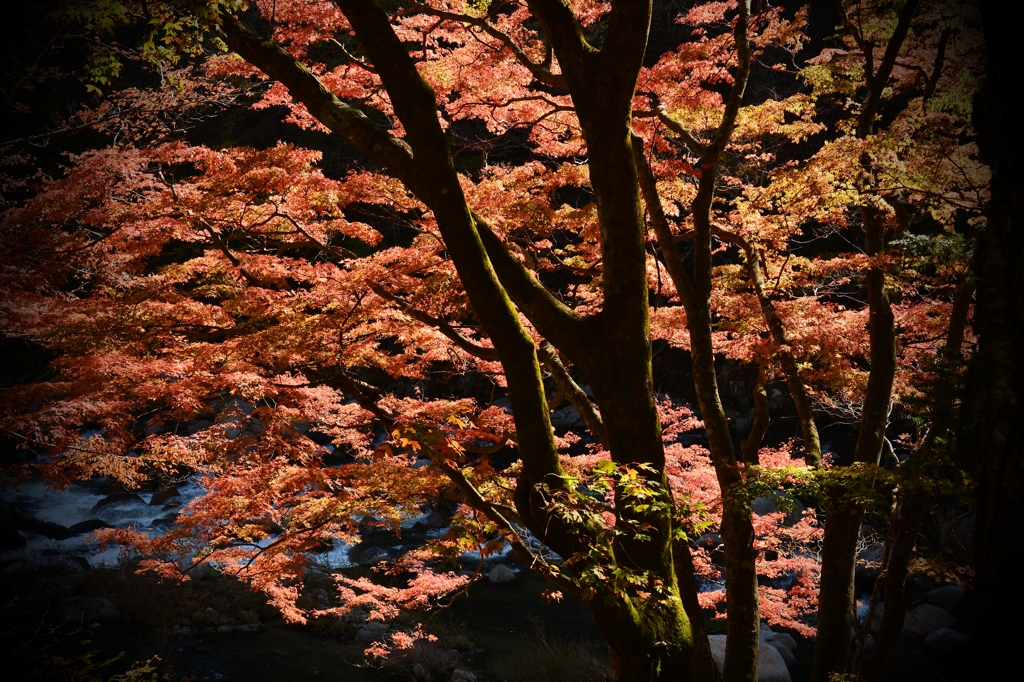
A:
(783, 643)
(367, 554)
(927, 618)
(436, 519)
(89, 610)
(876, 622)
(355, 616)
(117, 499)
(767, 505)
(22, 520)
(198, 425)
(501, 574)
(88, 526)
(567, 418)
(771, 666)
(947, 640)
(371, 631)
(314, 577)
(10, 538)
(459, 675)
(164, 494)
(950, 598)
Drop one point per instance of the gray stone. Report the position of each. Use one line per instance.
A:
(950, 598)
(317, 578)
(164, 494)
(947, 641)
(371, 631)
(873, 552)
(501, 574)
(88, 526)
(319, 597)
(436, 519)
(771, 666)
(368, 554)
(355, 616)
(768, 505)
(459, 675)
(783, 643)
(876, 622)
(420, 673)
(89, 610)
(567, 418)
(927, 618)
(198, 425)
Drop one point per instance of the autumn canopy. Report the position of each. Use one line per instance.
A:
(631, 282)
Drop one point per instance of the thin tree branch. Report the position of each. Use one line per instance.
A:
(575, 395)
(541, 72)
(482, 352)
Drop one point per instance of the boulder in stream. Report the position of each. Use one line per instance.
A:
(164, 494)
(948, 641)
(10, 538)
(88, 526)
(783, 643)
(771, 666)
(501, 574)
(951, 598)
(927, 618)
(89, 610)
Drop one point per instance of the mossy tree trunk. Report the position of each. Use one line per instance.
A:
(648, 639)
(843, 519)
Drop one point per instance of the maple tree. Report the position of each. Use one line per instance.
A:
(239, 286)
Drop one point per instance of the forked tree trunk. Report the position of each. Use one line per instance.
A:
(911, 516)
(743, 614)
(915, 506)
(843, 520)
(801, 401)
(649, 638)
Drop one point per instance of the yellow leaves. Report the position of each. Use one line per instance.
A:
(770, 118)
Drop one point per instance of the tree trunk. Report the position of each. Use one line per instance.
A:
(751, 445)
(843, 519)
(802, 402)
(911, 516)
(996, 431)
(842, 524)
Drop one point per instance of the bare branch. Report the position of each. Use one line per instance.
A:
(482, 352)
(541, 72)
(574, 394)
(698, 147)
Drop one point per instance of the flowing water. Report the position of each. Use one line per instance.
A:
(496, 619)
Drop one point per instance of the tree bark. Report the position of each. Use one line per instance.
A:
(995, 428)
(802, 402)
(843, 520)
(914, 509)
(751, 445)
